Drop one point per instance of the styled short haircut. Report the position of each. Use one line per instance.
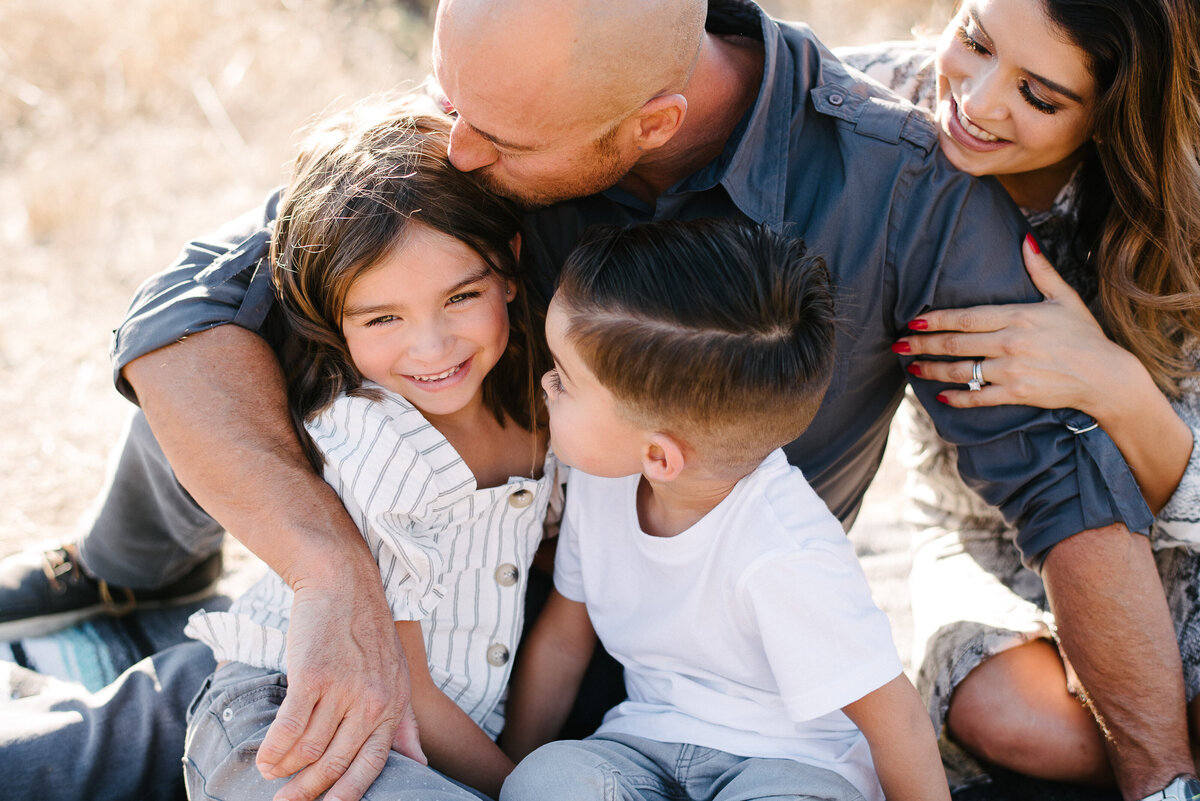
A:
(718, 332)
(362, 177)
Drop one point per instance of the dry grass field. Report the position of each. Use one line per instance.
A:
(129, 127)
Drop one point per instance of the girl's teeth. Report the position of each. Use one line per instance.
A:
(974, 130)
(439, 376)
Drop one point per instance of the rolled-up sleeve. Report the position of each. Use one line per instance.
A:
(219, 279)
(1052, 473)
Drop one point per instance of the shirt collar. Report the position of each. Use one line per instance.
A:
(753, 167)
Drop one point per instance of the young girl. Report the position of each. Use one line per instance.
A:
(416, 382)
(1088, 114)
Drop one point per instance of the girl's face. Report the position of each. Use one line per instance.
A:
(1014, 96)
(428, 321)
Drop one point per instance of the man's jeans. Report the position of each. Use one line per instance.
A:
(123, 742)
(146, 531)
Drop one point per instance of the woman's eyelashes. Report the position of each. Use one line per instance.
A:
(1035, 101)
(971, 43)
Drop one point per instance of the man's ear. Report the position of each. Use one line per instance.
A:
(662, 457)
(658, 120)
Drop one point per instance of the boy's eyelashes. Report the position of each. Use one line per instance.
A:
(553, 381)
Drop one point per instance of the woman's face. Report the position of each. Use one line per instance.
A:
(1014, 95)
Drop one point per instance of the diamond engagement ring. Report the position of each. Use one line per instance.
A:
(976, 383)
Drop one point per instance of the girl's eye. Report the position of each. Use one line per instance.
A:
(554, 381)
(463, 296)
(969, 42)
(1035, 101)
(387, 318)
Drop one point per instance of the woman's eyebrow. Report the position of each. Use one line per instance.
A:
(1053, 86)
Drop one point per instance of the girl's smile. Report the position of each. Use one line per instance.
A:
(428, 321)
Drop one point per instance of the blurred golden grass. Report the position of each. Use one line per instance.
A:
(130, 127)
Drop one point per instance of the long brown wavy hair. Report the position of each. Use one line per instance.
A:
(361, 177)
(1140, 218)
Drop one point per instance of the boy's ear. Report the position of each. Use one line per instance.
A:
(662, 457)
(658, 120)
(515, 244)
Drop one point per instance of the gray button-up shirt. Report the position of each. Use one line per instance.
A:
(857, 173)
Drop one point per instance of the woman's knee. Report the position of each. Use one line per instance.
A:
(1015, 710)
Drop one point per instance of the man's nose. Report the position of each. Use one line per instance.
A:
(468, 150)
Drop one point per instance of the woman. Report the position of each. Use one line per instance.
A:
(1088, 113)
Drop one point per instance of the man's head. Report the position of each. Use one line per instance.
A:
(561, 98)
(715, 335)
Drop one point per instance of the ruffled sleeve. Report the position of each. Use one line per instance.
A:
(1178, 523)
(396, 474)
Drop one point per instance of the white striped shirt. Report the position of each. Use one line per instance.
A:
(450, 555)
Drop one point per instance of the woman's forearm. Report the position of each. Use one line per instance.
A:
(1155, 442)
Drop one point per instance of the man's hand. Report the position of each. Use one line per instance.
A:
(347, 701)
(217, 405)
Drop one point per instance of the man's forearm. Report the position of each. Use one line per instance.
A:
(217, 405)
(1115, 628)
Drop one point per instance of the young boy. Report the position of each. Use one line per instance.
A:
(755, 661)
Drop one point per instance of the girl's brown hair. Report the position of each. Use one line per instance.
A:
(361, 177)
(1143, 199)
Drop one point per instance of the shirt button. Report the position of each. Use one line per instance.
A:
(520, 499)
(836, 100)
(227, 714)
(507, 575)
(497, 655)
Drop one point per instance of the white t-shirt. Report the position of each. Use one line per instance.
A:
(455, 557)
(746, 633)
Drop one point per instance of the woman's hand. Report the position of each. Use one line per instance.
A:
(1051, 354)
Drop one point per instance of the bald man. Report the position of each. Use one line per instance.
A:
(622, 111)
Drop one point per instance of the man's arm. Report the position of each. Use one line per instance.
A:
(1116, 630)
(217, 405)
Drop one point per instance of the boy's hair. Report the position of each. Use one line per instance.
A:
(360, 178)
(718, 332)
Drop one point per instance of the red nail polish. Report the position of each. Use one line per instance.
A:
(915, 369)
(901, 347)
(1033, 245)
(919, 324)
(942, 398)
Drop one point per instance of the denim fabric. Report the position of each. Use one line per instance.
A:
(146, 531)
(628, 768)
(65, 743)
(228, 722)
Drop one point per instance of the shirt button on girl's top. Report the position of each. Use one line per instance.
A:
(520, 499)
(507, 575)
(497, 655)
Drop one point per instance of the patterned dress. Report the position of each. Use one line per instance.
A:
(972, 598)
